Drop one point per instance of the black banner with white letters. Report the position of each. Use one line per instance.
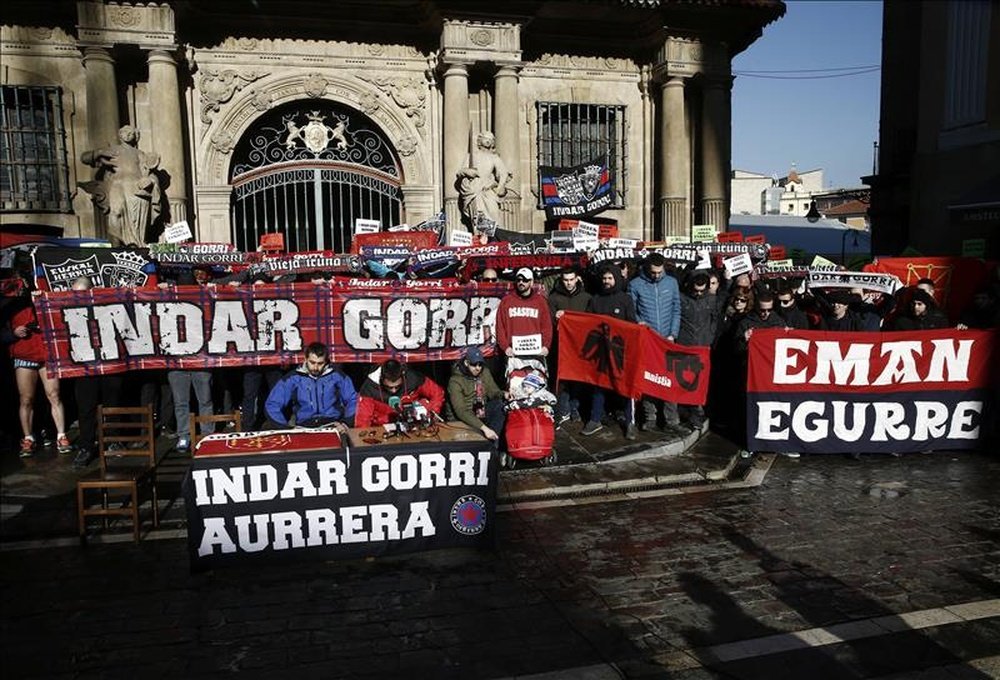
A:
(373, 501)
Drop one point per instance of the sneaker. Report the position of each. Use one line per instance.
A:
(183, 445)
(27, 447)
(790, 454)
(561, 419)
(745, 453)
(47, 440)
(575, 416)
(63, 445)
(84, 457)
(630, 432)
(592, 427)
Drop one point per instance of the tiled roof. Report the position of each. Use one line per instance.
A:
(850, 208)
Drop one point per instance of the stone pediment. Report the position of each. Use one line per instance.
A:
(149, 25)
(472, 41)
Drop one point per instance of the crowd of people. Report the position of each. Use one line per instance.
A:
(691, 307)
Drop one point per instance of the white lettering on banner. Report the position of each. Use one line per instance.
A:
(523, 313)
(882, 421)
(181, 326)
(372, 324)
(284, 530)
(526, 345)
(239, 484)
(948, 362)
(657, 378)
(459, 468)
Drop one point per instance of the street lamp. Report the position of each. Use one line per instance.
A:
(813, 214)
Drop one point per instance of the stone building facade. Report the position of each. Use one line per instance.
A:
(302, 116)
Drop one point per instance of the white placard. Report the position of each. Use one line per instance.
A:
(400, 227)
(526, 344)
(460, 238)
(363, 226)
(585, 243)
(671, 240)
(586, 229)
(623, 243)
(819, 261)
(178, 232)
(703, 233)
(740, 264)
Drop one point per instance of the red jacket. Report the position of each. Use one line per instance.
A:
(373, 406)
(518, 316)
(30, 348)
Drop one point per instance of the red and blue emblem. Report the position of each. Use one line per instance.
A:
(468, 515)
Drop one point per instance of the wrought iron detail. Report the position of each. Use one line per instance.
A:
(314, 131)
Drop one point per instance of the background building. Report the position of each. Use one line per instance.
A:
(937, 183)
(301, 116)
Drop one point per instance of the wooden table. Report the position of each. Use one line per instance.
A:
(451, 431)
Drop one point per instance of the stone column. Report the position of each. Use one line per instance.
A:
(675, 163)
(505, 129)
(456, 136)
(103, 119)
(714, 162)
(167, 132)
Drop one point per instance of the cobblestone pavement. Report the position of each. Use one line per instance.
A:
(867, 563)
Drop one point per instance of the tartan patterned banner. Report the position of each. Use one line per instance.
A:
(192, 327)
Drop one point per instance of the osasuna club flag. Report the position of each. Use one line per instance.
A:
(576, 191)
(820, 392)
(630, 359)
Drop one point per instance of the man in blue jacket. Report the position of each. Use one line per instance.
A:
(657, 301)
(319, 394)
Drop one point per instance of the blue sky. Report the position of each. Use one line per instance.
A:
(814, 122)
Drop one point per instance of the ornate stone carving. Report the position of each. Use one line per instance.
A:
(576, 61)
(480, 41)
(262, 99)
(407, 146)
(369, 103)
(316, 47)
(481, 37)
(123, 16)
(315, 85)
(408, 93)
(217, 86)
(222, 141)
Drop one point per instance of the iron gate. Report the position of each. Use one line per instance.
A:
(308, 170)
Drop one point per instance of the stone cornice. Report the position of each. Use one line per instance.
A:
(148, 26)
(684, 57)
(472, 41)
(315, 53)
(37, 41)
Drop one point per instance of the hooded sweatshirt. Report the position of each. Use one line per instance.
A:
(373, 399)
(614, 302)
(520, 317)
(329, 395)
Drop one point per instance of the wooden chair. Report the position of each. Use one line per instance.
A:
(124, 435)
(220, 418)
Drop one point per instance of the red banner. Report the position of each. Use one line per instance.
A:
(110, 330)
(630, 359)
(822, 392)
(956, 279)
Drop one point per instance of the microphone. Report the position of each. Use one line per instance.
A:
(395, 403)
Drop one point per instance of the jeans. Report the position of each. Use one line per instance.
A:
(597, 407)
(670, 415)
(104, 390)
(254, 396)
(181, 383)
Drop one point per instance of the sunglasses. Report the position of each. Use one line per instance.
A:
(476, 364)
(785, 302)
(741, 301)
(523, 279)
(490, 278)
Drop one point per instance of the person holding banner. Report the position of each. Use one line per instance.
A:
(319, 394)
(921, 314)
(391, 387)
(657, 301)
(699, 326)
(567, 294)
(611, 300)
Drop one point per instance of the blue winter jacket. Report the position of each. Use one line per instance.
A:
(658, 303)
(331, 395)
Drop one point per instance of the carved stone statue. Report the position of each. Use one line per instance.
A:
(484, 182)
(125, 187)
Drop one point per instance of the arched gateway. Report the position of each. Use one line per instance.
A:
(308, 169)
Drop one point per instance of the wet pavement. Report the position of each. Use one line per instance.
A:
(682, 565)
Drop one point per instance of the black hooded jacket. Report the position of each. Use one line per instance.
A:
(615, 302)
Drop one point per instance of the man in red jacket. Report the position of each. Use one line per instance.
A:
(524, 321)
(391, 387)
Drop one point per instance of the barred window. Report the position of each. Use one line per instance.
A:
(572, 134)
(33, 169)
